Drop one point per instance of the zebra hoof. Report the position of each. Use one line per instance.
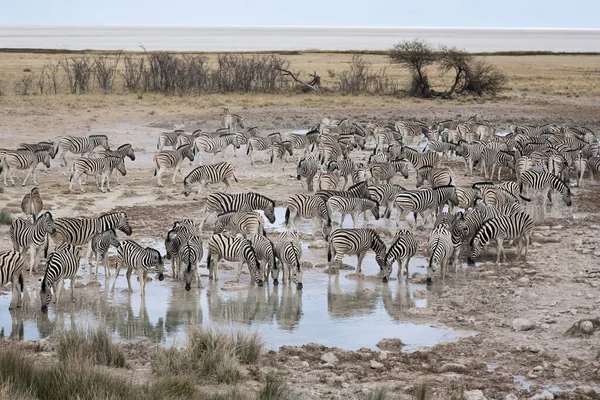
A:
(299, 286)
(275, 282)
(260, 283)
(188, 287)
(44, 309)
(429, 281)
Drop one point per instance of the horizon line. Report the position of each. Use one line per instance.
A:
(293, 27)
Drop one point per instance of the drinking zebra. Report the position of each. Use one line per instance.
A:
(32, 203)
(190, 256)
(385, 194)
(402, 249)
(355, 241)
(242, 222)
(308, 207)
(31, 235)
(171, 159)
(168, 139)
(289, 251)
(11, 270)
(264, 250)
(80, 145)
(440, 249)
(135, 257)
(205, 174)
(307, 168)
(61, 264)
(101, 242)
(353, 206)
(223, 247)
(23, 160)
(95, 167)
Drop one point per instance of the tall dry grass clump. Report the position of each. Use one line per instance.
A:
(210, 353)
(96, 347)
(276, 389)
(5, 217)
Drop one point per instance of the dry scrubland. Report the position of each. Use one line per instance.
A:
(553, 289)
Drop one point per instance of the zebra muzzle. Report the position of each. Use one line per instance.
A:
(299, 286)
(161, 276)
(188, 287)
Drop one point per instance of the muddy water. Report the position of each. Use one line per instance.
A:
(345, 310)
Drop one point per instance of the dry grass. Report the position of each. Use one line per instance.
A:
(79, 347)
(5, 217)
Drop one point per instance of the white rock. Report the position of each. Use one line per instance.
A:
(511, 397)
(383, 355)
(587, 390)
(545, 395)
(474, 395)
(586, 326)
(524, 280)
(305, 364)
(329, 358)
(376, 365)
(522, 324)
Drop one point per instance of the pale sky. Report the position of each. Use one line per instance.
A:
(398, 13)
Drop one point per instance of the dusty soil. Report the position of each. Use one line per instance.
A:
(555, 287)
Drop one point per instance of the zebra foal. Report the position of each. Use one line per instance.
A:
(171, 159)
(205, 174)
(61, 264)
(242, 222)
(31, 235)
(135, 257)
(101, 242)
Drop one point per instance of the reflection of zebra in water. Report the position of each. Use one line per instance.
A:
(223, 247)
(27, 235)
(61, 264)
(135, 257)
(402, 249)
(11, 270)
(355, 241)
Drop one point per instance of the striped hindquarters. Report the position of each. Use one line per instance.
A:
(11, 268)
(32, 203)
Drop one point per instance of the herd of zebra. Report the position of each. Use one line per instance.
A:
(539, 159)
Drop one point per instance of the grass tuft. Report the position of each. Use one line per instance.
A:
(128, 193)
(380, 393)
(174, 387)
(79, 347)
(275, 389)
(5, 217)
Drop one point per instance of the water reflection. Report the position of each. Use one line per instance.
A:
(352, 300)
(397, 302)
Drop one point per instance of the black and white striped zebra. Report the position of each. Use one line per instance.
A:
(328, 180)
(190, 255)
(27, 235)
(11, 271)
(308, 207)
(101, 242)
(228, 248)
(289, 251)
(171, 159)
(402, 249)
(343, 167)
(385, 195)
(215, 145)
(96, 167)
(279, 150)
(33, 147)
(205, 174)
(421, 201)
(436, 176)
(125, 150)
(496, 158)
(135, 257)
(593, 164)
(385, 171)
(249, 201)
(466, 198)
(231, 121)
(440, 249)
(580, 164)
(307, 168)
(356, 241)
(544, 182)
(419, 160)
(516, 227)
(437, 146)
(61, 264)
(168, 139)
(331, 151)
(412, 130)
(185, 138)
(353, 206)
(80, 145)
(303, 143)
(257, 143)
(176, 237)
(243, 222)
(23, 160)
(359, 174)
(265, 252)
(361, 189)
(32, 203)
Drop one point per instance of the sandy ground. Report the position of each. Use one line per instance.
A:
(553, 289)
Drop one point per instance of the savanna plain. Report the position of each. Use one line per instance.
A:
(554, 289)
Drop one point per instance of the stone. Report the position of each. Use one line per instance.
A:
(522, 324)
(586, 390)
(418, 278)
(545, 395)
(329, 358)
(390, 344)
(305, 364)
(420, 293)
(454, 367)
(524, 280)
(538, 369)
(511, 397)
(586, 326)
(376, 365)
(474, 395)
(383, 355)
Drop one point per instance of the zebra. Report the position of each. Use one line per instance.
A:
(516, 226)
(361, 189)
(125, 150)
(379, 157)
(343, 167)
(173, 243)
(302, 143)
(79, 231)
(440, 249)
(421, 200)
(168, 139)
(492, 158)
(80, 145)
(95, 167)
(61, 264)
(31, 235)
(402, 249)
(101, 242)
(232, 249)
(581, 165)
(307, 168)
(359, 174)
(256, 143)
(205, 174)
(440, 147)
(412, 129)
(436, 176)
(466, 197)
(190, 255)
(544, 182)
(278, 151)
(328, 180)
(11, 270)
(331, 151)
(250, 201)
(593, 164)
(242, 222)
(353, 206)
(48, 146)
(385, 171)
(385, 194)
(231, 121)
(265, 251)
(185, 138)
(135, 257)
(214, 145)
(167, 159)
(23, 159)
(289, 251)
(417, 159)
(309, 207)
(356, 241)
(32, 203)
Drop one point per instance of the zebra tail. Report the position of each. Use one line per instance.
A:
(46, 245)
(208, 259)
(248, 147)
(264, 232)
(287, 216)
(21, 282)
(155, 168)
(272, 156)
(234, 177)
(330, 252)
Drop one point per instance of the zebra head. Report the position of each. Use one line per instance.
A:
(253, 263)
(235, 141)
(186, 151)
(422, 174)
(45, 295)
(43, 157)
(158, 262)
(170, 244)
(566, 196)
(476, 249)
(128, 151)
(47, 223)
(121, 166)
(375, 209)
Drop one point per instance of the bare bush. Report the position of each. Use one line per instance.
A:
(483, 79)
(416, 56)
(362, 79)
(133, 74)
(79, 73)
(106, 71)
(50, 73)
(24, 85)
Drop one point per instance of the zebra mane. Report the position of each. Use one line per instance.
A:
(156, 252)
(196, 131)
(183, 146)
(363, 183)
(226, 213)
(444, 187)
(262, 197)
(476, 185)
(98, 136)
(123, 146)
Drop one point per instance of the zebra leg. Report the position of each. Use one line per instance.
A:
(500, 251)
(31, 258)
(142, 277)
(360, 257)
(239, 271)
(354, 217)
(29, 173)
(343, 216)
(105, 263)
(117, 270)
(58, 288)
(16, 292)
(73, 287)
(128, 276)
(159, 174)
